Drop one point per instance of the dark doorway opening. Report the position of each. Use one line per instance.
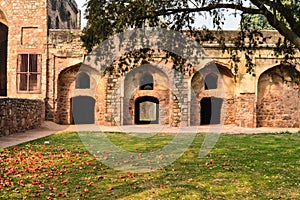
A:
(211, 110)
(146, 110)
(3, 59)
(83, 110)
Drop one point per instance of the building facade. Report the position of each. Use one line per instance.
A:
(24, 34)
(41, 58)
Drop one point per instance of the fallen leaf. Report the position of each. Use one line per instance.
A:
(135, 187)
(161, 186)
(109, 188)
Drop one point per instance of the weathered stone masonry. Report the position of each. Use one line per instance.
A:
(244, 101)
(18, 115)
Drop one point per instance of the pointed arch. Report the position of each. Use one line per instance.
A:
(213, 84)
(146, 80)
(3, 18)
(278, 94)
(83, 76)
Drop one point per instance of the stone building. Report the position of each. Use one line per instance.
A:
(25, 26)
(41, 54)
(155, 93)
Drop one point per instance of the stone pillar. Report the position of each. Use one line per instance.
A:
(180, 113)
(246, 110)
(113, 101)
(50, 89)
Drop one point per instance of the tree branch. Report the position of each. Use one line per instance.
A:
(283, 10)
(209, 8)
(280, 26)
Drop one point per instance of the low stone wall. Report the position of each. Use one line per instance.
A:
(18, 115)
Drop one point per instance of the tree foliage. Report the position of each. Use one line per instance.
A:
(108, 17)
(256, 22)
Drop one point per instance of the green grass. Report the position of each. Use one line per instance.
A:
(258, 166)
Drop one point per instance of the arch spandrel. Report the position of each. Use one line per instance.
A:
(3, 18)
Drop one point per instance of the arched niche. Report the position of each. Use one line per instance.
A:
(146, 80)
(214, 80)
(278, 97)
(211, 81)
(86, 78)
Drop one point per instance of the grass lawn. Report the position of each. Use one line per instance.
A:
(260, 166)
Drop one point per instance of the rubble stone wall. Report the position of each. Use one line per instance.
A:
(19, 115)
(278, 98)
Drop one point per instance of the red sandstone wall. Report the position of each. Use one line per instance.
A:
(278, 98)
(245, 110)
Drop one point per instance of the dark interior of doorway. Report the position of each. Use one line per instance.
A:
(3, 59)
(83, 110)
(211, 110)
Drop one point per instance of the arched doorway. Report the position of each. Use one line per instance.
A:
(3, 59)
(151, 81)
(74, 81)
(65, 90)
(214, 84)
(211, 110)
(146, 110)
(83, 110)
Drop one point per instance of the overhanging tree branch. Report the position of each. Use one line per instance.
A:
(209, 8)
(283, 10)
(280, 26)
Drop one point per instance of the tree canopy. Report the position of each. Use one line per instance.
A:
(108, 17)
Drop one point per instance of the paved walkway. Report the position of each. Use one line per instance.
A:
(49, 128)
